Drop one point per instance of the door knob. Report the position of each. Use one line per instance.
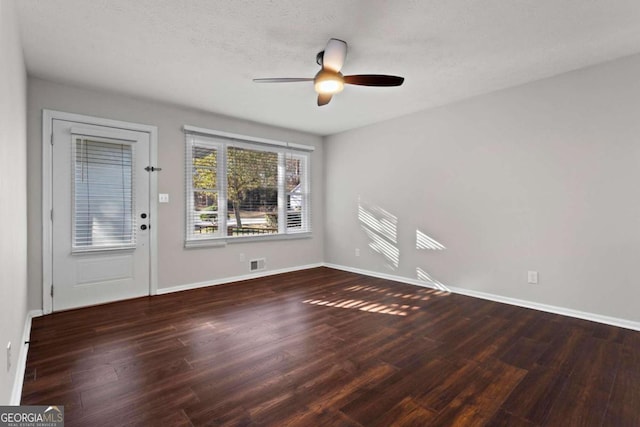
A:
(143, 216)
(143, 227)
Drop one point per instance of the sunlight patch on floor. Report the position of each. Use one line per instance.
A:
(369, 306)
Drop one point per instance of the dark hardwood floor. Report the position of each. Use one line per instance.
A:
(325, 347)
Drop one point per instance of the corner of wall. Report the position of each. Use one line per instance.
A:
(13, 190)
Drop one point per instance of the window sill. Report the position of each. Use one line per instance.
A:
(223, 241)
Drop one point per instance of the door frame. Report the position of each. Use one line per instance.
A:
(48, 116)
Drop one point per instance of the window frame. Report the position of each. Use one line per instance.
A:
(221, 142)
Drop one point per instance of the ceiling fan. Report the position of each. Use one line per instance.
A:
(330, 80)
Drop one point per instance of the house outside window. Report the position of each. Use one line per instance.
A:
(238, 189)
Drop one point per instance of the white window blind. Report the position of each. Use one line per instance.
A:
(237, 188)
(296, 192)
(203, 208)
(103, 195)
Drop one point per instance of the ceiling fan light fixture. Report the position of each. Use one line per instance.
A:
(328, 82)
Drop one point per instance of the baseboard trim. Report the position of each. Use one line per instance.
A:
(593, 317)
(188, 286)
(16, 392)
(394, 278)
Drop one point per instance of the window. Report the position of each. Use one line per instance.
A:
(241, 189)
(103, 216)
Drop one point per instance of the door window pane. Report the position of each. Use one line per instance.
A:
(103, 205)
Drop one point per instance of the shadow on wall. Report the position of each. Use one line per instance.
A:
(381, 227)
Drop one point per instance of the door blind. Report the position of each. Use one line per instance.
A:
(103, 195)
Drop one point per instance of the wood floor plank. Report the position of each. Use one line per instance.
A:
(304, 417)
(503, 418)
(406, 413)
(483, 396)
(534, 396)
(622, 409)
(603, 354)
(385, 395)
(524, 352)
(446, 383)
(578, 405)
(327, 347)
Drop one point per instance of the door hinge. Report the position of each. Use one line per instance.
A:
(51, 139)
(51, 291)
(51, 215)
(152, 169)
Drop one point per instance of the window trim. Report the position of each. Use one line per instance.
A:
(220, 141)
(195, 130)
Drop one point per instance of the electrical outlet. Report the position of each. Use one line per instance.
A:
(357, 251)
(9, 356)
(242, 258)
(163, 198)
(532, 277)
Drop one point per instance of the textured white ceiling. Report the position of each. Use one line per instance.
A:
(204, 53)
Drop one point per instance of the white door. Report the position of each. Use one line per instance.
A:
(100, 218)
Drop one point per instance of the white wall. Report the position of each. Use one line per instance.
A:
(544, 177)
(13, 199)
(176, 265)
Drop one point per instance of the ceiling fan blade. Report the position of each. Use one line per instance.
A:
(323, 99)
(373, 80)
(334, 55)
(284, 80)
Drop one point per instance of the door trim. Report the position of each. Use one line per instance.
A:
(48, 116)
